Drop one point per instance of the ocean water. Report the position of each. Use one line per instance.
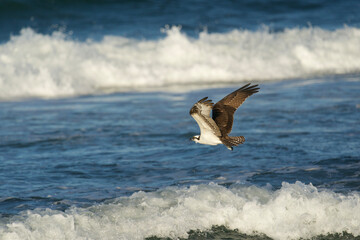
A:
(95, 125)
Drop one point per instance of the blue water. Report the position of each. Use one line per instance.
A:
(143, 19)
(94, 136)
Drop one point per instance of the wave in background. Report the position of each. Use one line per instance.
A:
(292, 212)
(37, 65)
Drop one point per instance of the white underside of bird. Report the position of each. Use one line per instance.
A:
(208, 136)
(214, 130)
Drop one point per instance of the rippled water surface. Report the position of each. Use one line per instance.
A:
(56, 153)
(95, 125)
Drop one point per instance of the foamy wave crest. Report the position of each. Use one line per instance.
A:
(37, 65)
(292, 212)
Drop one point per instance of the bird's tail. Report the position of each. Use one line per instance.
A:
(230, 142)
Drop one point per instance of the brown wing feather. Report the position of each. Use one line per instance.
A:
(206, 111)
(223, 111)
(201, 113)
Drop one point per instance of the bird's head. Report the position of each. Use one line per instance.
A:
(195, 138)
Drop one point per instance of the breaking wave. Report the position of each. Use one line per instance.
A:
(37, 65)
(292, 212)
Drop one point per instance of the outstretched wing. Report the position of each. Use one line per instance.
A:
(223, 111)
(201, 113)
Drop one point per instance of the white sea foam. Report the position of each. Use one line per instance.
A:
(292, 212)
(37, 65)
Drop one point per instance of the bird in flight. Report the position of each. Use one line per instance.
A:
(214, 130)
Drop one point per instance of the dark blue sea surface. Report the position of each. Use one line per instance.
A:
(144, 18)
(95, 127)
(86, 150)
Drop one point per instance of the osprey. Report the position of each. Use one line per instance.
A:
(215, 130)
